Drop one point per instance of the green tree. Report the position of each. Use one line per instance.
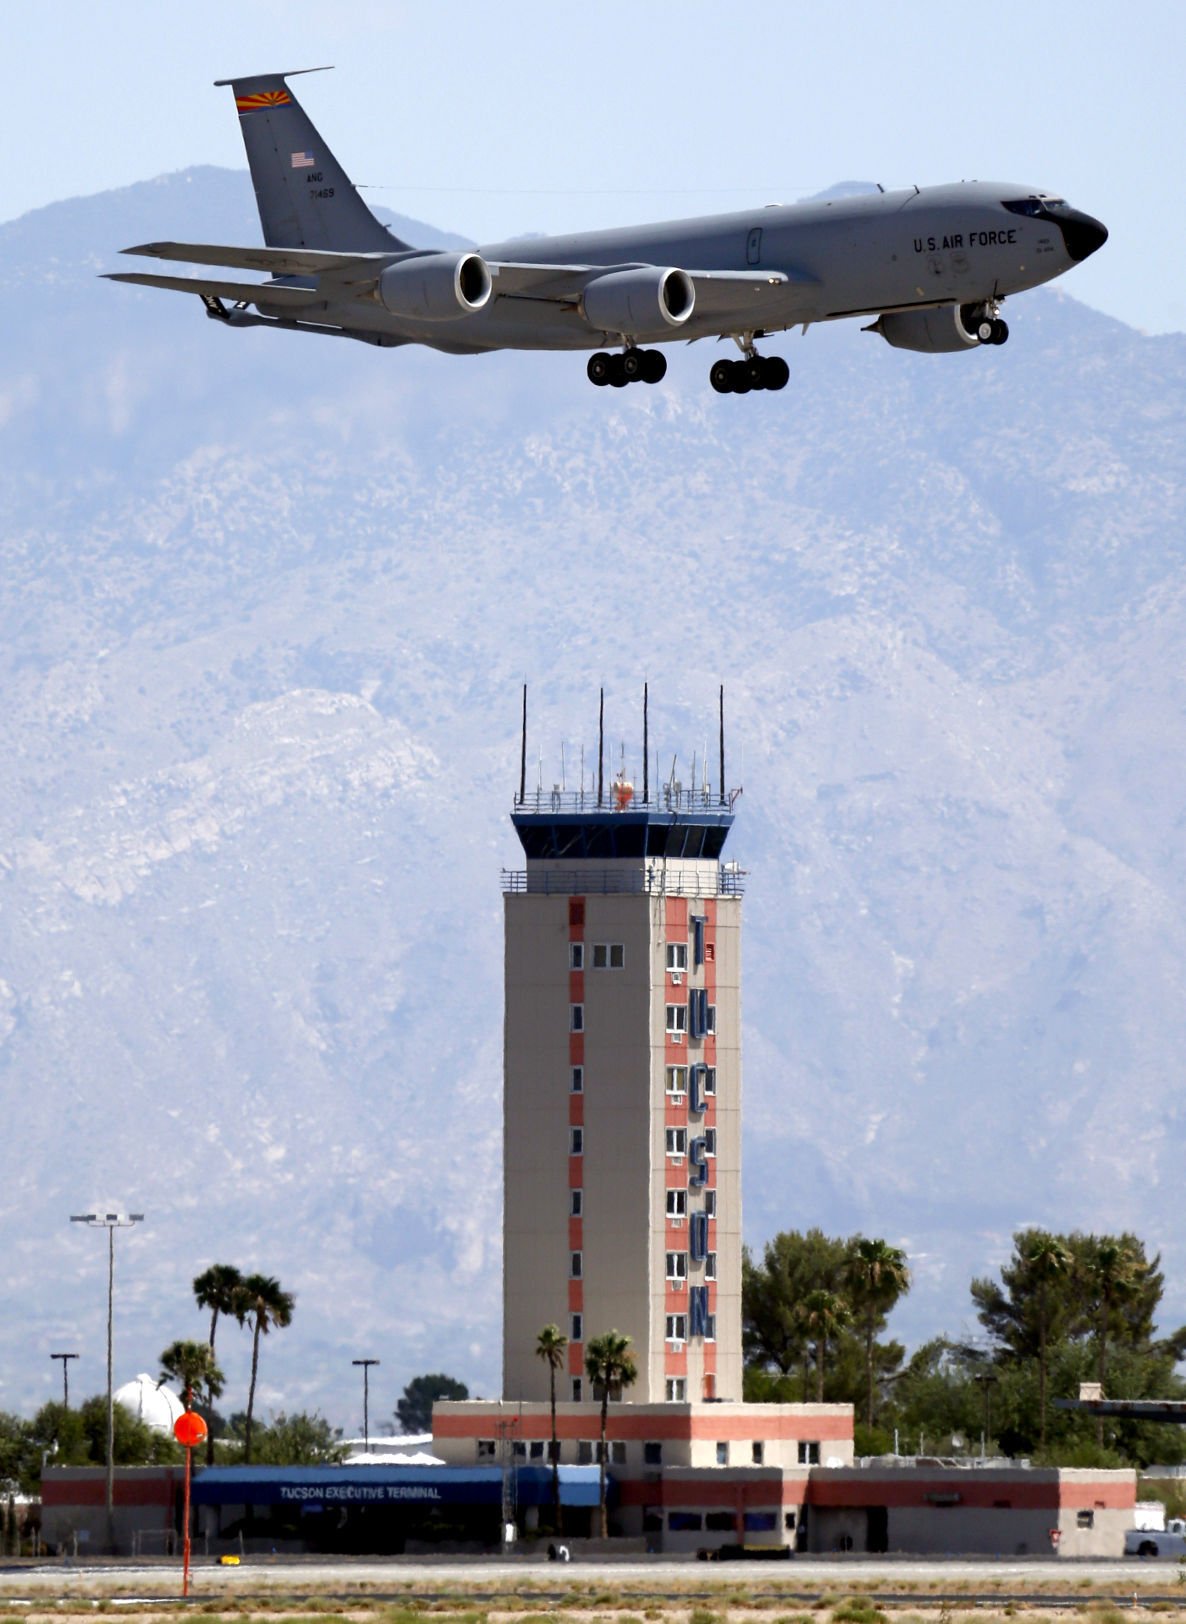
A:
(192, 1366)
(550, 1346)
(875, 1277)
(261, 1303)
(215, 1289)
(413, 1412)
(823, 1315)
(610, 1366)
(1035, 1304)
(1121, 1291)
(792, 1265)
(302, 1439)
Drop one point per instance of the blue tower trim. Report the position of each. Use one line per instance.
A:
(602, 835)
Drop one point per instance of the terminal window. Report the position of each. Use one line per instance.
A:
(536, 1449)
(677, 1390)
(485, 1448)
(617, 1453)
(808, 1452)
(652, 1454)
(719, 1522)
(722, 1454)
(576, 1389)
(685, 1522)
(756, 1453)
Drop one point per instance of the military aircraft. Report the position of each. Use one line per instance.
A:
(932, 265)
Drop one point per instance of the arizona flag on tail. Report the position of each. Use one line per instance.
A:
(263, 98)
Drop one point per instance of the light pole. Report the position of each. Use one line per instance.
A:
(986, 1379)
(366, 1396)
(110, 1221)
(65, 1358)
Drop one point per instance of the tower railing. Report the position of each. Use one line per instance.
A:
(648, 877)
(620, 797)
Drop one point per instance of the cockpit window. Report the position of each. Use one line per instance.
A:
(1037, 207)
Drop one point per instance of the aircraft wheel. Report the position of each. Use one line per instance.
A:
(984, 329)
(654, 366)
(1000, 332)
(617, 372)
(755, 371)
(740, 379)
(776, 374)
(598, 369)
(632, 365)
(721, 377)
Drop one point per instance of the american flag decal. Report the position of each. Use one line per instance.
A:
(262, 98)
(303, 160)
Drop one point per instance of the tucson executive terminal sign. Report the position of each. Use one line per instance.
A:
(388, 1485)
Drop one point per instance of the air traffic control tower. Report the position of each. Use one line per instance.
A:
(622, 1102)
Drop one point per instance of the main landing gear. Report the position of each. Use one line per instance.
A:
(632, 366)
(753, 372)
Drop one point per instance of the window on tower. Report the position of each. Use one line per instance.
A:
(677, 1266)
(708, 1079)
(609, 955)
(576, 1141)
(677, 1328)
(677, 1390)
(710, 1203)
(576, 1017)
(576, 955)
(576, 1389)
(575, 1265)
(576, 1200)
(677, 1141)
(677, 1019)
(652, 1454)
(808, 1452)
(677, 1079)
(576, 913)
(576, 1328)
(710, 1266)
(576, 1082)
(677, 1205)
(677, 957)
(710, 1141)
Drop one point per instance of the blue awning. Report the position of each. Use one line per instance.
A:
(388, 1485)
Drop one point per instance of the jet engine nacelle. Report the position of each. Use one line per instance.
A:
(933, 332)
(641, 301)
(436, 287)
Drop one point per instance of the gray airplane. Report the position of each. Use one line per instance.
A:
(931, 264)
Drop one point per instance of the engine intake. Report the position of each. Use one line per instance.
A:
(436, 287)
(932, 332)
(639, 303)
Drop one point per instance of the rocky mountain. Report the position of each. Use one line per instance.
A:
(265, 609)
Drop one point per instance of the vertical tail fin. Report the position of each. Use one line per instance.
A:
(305, 198)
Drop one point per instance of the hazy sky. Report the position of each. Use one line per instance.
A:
(490, 120)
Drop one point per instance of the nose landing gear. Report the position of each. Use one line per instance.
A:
(632, 366)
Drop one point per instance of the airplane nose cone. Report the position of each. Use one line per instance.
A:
(1082, 234)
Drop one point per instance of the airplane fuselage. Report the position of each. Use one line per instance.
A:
(853, 256)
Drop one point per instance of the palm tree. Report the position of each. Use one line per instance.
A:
(260, 1301)
(1112, 1274)
(215, 1289)
(192, 1365)
(610, 1366)
(823, 1315)
(876, 1276)
(550, 1346)
(1046, 1261)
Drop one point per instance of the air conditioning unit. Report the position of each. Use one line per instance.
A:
(676, 1037)
(677, 978)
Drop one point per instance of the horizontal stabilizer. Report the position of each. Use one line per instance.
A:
(275, 261)
(245, 292)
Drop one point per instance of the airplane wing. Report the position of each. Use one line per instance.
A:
(276, 261)
(724, 293)
(245, 292)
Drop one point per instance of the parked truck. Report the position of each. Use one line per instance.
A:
(1168, 1542)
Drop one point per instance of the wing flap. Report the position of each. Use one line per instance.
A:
(247, 292)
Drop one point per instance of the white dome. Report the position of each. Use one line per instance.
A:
(156, 1406)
